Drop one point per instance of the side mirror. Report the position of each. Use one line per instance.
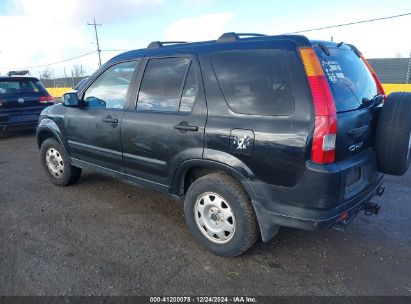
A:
(70, 99)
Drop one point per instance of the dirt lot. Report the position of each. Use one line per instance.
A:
(106, 237)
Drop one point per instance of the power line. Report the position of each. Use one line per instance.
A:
(350, 23)
(98, 45)
(57, 62)
(65, 60)
(119, 50)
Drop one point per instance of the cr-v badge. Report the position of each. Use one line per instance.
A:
(355, 147)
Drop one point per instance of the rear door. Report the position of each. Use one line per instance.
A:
(353, 89)
(165, 124)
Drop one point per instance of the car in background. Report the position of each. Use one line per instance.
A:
(22, 98)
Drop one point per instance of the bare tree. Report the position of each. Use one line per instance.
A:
(77, 71)
(46, 74)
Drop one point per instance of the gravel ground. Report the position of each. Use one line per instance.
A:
(106, 237)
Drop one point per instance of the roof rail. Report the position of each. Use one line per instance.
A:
(159, 44)
(19, 73)
(232, 37)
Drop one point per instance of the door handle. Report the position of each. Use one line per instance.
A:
(110, 120)
(184, 126)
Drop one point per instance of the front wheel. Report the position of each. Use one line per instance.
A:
(220, 216)
(57, 165)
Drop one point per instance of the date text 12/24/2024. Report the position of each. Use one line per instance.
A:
(203, 299)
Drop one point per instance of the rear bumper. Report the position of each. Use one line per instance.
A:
(322, 195)
(19, 119)
(315, 219)
(18, 126)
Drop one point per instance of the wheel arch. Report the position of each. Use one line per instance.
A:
(47, 128)
(196, 168)
(179, 186)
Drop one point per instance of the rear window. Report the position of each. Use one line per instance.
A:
(255, 82)
(11, 86)
(349, 78)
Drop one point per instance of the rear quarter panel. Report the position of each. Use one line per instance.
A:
(280, 142)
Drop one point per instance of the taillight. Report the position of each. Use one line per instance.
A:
(325, 131)
(46, 99)
(377, 81)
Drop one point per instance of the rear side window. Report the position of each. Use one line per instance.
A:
(189, 92)
(21, 86)
(255, 82)
(349, 78)
(164, 85)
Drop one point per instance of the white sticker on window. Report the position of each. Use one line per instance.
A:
(333, 70)
(340, 75)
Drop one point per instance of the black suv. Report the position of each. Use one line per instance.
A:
(22, 99)
(254, 132)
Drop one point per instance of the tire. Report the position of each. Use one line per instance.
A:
(230, 199)
(56, 164)
(393, 140)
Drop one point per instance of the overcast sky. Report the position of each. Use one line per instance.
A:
(38, 32)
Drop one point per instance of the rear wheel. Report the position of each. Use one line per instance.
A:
(393, 139)
(220, 216)
(57, 165)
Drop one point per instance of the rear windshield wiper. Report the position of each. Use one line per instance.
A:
(324, 49)
(373, 102)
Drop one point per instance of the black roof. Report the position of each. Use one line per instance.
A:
(158, 47)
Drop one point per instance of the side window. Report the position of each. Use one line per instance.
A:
(255, 82)
(162, 85)
(109, 90)
(189, 91)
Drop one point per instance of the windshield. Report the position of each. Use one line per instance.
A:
(12, 86)
(349, 78)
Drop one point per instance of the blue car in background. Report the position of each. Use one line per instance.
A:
(22, 98)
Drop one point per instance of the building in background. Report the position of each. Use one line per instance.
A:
(394, 73)
(392, 70)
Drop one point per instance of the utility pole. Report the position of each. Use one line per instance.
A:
(65, 76)
(98, 45)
